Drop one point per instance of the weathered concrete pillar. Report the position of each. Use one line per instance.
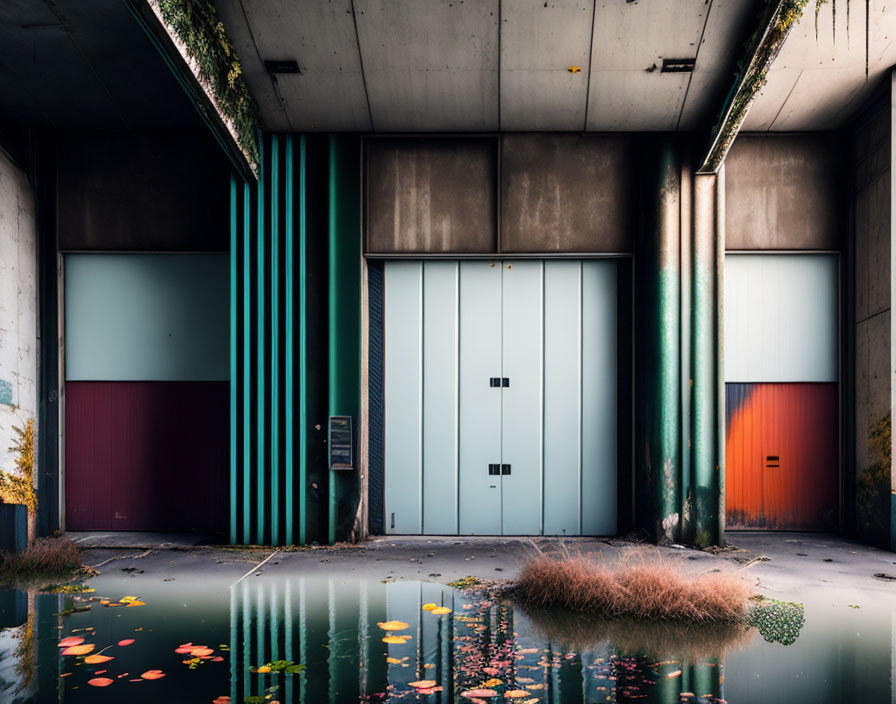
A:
(707, 407)
(658, 343)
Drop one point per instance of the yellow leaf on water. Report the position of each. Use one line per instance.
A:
(439, 610)
(392, 625)
(393, 640)
(97, 659)
(422, 684)
(394, 661)
(516, 694)
(429, 607)
(493, 682)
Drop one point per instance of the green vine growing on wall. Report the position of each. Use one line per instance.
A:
(775, 22)
(195, 23)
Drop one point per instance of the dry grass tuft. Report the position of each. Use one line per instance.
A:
(45, 557)
(640, 586)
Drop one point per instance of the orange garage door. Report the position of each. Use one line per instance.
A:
(781, 456)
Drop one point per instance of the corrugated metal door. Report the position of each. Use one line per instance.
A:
(146, 392)
(500, 397)
(781, 382)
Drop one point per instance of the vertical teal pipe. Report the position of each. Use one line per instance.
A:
(704, 348)
(275, 340)
(261, 353)
(344, 297)
(303, 337)
(720, 356)
(247, 363)
(658, 365)
(332, 279)
(667, 400)
(288, 348)
(233, 356)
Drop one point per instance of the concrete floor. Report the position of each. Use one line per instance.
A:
(790, 566)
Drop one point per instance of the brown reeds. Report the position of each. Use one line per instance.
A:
(640, 586)
(44, 558)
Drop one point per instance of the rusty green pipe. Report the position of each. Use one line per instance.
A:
(658, 362)
(705, 409)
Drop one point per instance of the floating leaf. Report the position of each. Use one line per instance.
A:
(263, 670)
(429, 607)
(395, 661)
(70, 641)
(126, 641)
(493, 682)
(153, 675)
(440, 610)
(478, 693)
(126, 599)
(422, 684)
(516, 694)
(97, 659)
(429, 690)
(100, 682)
(394, 640)
(201, 651)
(134, 603)
(392, 625)
(223, 699)
(78, 650)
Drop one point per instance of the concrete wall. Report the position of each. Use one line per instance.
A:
(558, 193)
(431, 195)
(566, 193)
(150, 192)
(784, 192)
(870, 162)
(18, 306)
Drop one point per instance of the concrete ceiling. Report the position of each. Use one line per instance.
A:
(485, 65)
(84, 64)
(818, 80)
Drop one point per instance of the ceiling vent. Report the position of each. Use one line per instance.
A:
(678, 65)
(285, 66)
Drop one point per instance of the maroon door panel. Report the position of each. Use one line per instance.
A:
(146, 455)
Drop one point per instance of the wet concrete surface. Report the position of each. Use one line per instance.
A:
(789, 566)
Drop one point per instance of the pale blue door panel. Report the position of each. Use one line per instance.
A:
(521, 408)
(599, 397)
(440, 338)
(403, 396)
(781, 317)
(562, 397)
(146, 317)
(480, 404)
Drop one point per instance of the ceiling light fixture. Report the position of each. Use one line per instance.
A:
(282, 66)
(678, 65)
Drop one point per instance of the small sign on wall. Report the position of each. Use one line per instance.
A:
(340, 442)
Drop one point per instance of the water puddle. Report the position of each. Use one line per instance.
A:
(367, 641)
